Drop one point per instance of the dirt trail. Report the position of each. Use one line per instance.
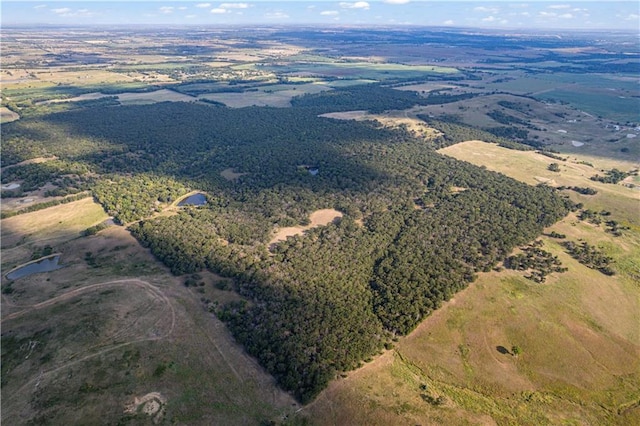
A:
(92, 287)
(76, 292)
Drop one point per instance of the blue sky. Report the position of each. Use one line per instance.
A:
(493, 14)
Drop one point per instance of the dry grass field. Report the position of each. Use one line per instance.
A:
(132, 98)
(278, 95)
(52, 226)
(113, 338)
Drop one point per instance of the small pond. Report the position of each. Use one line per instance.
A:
(46, 264)
(193, 200)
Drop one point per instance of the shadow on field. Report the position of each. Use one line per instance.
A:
(503, 350)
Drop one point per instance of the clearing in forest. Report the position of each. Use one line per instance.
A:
(229, 174)
(318, 218)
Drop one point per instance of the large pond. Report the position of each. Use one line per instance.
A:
(193, 200)
(47, 264)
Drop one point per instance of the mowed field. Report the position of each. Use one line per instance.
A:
(578, 334)
(113, 338)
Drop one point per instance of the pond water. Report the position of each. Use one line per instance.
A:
(193, 200)
(46, 264)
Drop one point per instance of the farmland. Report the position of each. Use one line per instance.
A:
(362, 189)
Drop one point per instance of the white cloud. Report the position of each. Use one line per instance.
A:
(191, 16)
(276, 15)
(566, 16)
(203, 5)
(486, 9)
(40, 6)
(68, 12)
(632, 17)
(356, 5)
(559, 6)
(396, 1)
(182, 8)
(448, 22)
(489, 19)
(233, 6)
(166, 9)
(329, 12)
(218, 11)
(62, 11)
(548, 14)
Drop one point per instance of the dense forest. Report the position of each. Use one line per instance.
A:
(322, 302)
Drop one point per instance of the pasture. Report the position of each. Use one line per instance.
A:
(276, 95)
(113, 337)
(609, 96)
(7, 116)
(51, 226)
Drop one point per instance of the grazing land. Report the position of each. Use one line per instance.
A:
(399, 169)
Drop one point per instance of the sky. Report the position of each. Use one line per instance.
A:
(532, 14)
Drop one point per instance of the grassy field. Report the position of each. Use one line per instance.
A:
(612, 97)
(361, 70)
(83, 343)
(7, 116)
(577, 335)
(598, 102)
(23, 234)
(276, 95)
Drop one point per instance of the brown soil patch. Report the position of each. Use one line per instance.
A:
(346, 115)
(151, 404)
(318, 218)
(547, 181)
(457, 189)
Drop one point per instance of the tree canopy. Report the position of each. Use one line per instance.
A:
(319, 303)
